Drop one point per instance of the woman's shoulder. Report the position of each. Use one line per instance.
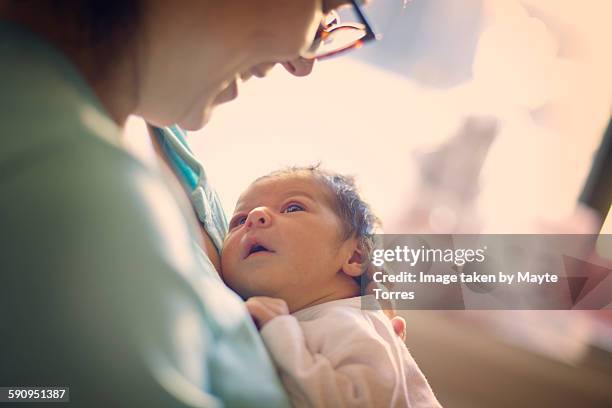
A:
(50, 113)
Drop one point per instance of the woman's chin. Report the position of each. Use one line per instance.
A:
(200, 113)
(195, 122)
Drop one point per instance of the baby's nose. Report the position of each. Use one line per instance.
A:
(258, 218)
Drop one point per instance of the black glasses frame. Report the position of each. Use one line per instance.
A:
(370, 33)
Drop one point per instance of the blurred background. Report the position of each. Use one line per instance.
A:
(474, 116)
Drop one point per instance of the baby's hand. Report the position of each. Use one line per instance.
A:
(263, 309)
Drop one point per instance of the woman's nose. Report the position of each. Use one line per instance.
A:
(299, 67)
(258, 218)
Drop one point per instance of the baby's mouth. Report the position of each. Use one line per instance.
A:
(257, 248)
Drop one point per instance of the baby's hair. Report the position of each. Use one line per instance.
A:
(357, 217)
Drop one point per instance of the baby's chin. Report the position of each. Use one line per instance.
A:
(247, 290)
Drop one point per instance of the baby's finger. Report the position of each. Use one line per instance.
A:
(399, 326)
(260, 311)
(278, 306)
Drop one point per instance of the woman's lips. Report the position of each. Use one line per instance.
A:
(228, 94)
(261, 70)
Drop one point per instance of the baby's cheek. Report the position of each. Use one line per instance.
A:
(228, 272)
(227, 253)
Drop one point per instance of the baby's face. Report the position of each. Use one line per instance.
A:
(284, 240)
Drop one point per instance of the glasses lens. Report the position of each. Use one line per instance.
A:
(340, 30)
(337, 39)
(386, 15)
(345, 28)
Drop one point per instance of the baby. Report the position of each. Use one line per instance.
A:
(297, 244)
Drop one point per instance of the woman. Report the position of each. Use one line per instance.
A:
(104, 291)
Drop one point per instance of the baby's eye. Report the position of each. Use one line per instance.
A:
(238, 221)
(293, 208)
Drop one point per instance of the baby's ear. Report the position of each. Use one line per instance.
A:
(354, 265)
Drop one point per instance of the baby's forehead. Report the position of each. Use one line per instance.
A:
(278, 187)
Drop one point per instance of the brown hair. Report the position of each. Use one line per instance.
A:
(94, 27)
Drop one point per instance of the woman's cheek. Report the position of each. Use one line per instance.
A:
(297, 28)
(310, 31)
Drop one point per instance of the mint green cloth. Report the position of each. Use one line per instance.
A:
(190, 171)
(101, 287)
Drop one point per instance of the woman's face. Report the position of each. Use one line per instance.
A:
(196, 50)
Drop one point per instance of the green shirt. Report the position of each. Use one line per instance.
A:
(101, 287)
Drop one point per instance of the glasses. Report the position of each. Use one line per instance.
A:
(335, 37)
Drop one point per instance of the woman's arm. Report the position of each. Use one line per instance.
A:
(96, 293)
